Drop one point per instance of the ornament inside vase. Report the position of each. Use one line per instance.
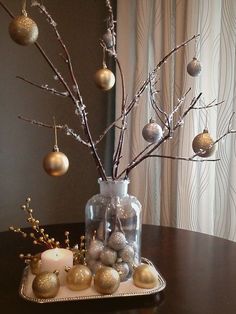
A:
(113, 228)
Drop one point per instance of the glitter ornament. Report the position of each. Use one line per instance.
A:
(152, 132)
(108, 39)
(104, 79)
(35, 264)
(145, 276)
(194, 67)
(23, 30)
(127, 254)
(203, 144)
(95, 249)
(106, 280)
(108, 256)
(117, 241)
(94, 265)
(79, 277)
(123, 270)
(46, 285)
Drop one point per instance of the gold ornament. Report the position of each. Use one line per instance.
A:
(35, 264)
(55, 163)
(194, 67)
(203, 144)
(46, 285)
(79, 277)
(145, 276)
(106, 280)
(23, 30)
(104, 79)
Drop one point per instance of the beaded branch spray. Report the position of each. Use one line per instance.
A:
(41, 238)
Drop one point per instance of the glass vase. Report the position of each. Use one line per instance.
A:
(113, 228)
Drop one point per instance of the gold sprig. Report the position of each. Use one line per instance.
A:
(79, 252)
(38, 235)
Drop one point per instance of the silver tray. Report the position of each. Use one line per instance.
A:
(126, 289)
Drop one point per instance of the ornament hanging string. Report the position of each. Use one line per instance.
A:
(55, 134)
(104, 59)
(24, 8)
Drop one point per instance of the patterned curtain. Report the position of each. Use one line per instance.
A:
(189, 195)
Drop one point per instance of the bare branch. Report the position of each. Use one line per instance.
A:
(44, 87)
(65, 128)
(183, 158)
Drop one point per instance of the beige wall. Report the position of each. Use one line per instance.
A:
(23, 146)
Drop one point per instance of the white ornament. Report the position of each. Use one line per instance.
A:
(194, 67)
(152, 132)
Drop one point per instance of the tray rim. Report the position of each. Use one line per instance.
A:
(143, 292)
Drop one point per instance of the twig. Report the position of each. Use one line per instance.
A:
(183, 158)
(65, 127)
(44, 87)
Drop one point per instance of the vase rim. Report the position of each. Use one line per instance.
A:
(116, 181)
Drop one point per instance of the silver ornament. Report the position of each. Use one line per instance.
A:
(94, 265)
(152, 132)
(123, 270)
(117, 241)
(108, 256)
(194, 67)
(109, 39)
(127, 254)
(95, 249)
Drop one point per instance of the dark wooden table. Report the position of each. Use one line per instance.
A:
(200, 271)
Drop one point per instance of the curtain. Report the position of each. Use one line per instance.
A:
(190, 195)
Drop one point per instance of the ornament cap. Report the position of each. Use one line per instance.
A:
(205, 130)
(151, 120)
(55, 148)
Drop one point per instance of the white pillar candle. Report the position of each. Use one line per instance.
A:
(57, 259)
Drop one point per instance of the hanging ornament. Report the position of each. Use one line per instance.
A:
(104, 79)
(106, 280)
(145, 276)
(117, 241)
(123, 270)
(108, 256)
(109, 39)
(23, 30)
(46, 285)
(79, 277)
(203, 144)
(194, 67)
(55, 163)
(152, 132)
